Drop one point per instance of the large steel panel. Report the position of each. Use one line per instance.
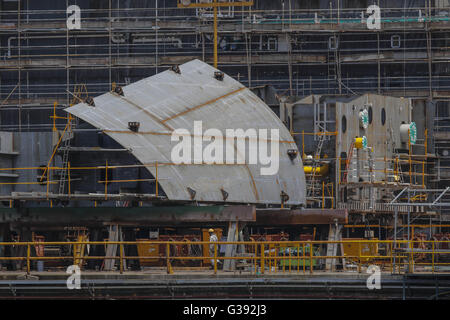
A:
(167, 101)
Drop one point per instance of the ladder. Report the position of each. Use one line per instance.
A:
(334, 69)
(320, 121)
(399, 169)
(316, 163)
(65, 160)
(347, 162)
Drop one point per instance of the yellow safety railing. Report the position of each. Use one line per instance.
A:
(395, 256)
(390, 174)
(326, 193)
(69, 170)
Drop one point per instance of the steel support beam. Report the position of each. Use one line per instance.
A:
(161, 215)
(300, 217)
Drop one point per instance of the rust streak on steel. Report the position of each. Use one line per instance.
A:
(255, 190)
(194, 135)
(203, 104)
(151, 115)
(253, 183)
(300, 216)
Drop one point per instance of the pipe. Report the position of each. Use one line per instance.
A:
(322, 170)
(142, 39)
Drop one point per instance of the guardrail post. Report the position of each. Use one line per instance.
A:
(411, 256)
(74, 254)
(262, 258)
(359, 257)
(167, 257)
(28, 258)
(310, 257)
(256, 256)
(121, 257)
(290, 259)
(275, 261)
(304, 257)
(391, 258)
(215, 258)
(432, 257)
(270, 259)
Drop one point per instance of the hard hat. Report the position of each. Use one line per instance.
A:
(211, 230)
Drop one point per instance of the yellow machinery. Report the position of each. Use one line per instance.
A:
(205, 237)
(78, 234)
(147, 250)
(78, 249)
(356, 248)
(361, 142)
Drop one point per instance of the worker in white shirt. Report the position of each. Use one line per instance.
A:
(212, 238)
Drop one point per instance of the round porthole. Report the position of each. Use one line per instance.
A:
(383, 116)
(370, 115)
(344, 124)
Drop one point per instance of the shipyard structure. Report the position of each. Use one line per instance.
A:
(310, 142)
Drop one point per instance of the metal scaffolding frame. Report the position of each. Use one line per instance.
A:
(289, 29)
(277, 47)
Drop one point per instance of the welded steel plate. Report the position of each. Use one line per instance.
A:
(171, 100)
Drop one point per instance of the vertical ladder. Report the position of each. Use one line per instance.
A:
(316, 164)
(65, 160)
(320, 135)
(334, 66)
(320, 120)
(347, 162)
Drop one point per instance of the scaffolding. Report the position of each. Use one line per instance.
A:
(299, 51)
(303, 50)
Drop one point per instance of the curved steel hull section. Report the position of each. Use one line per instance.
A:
(170, 100)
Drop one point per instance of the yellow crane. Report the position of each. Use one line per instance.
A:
(213, 4)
